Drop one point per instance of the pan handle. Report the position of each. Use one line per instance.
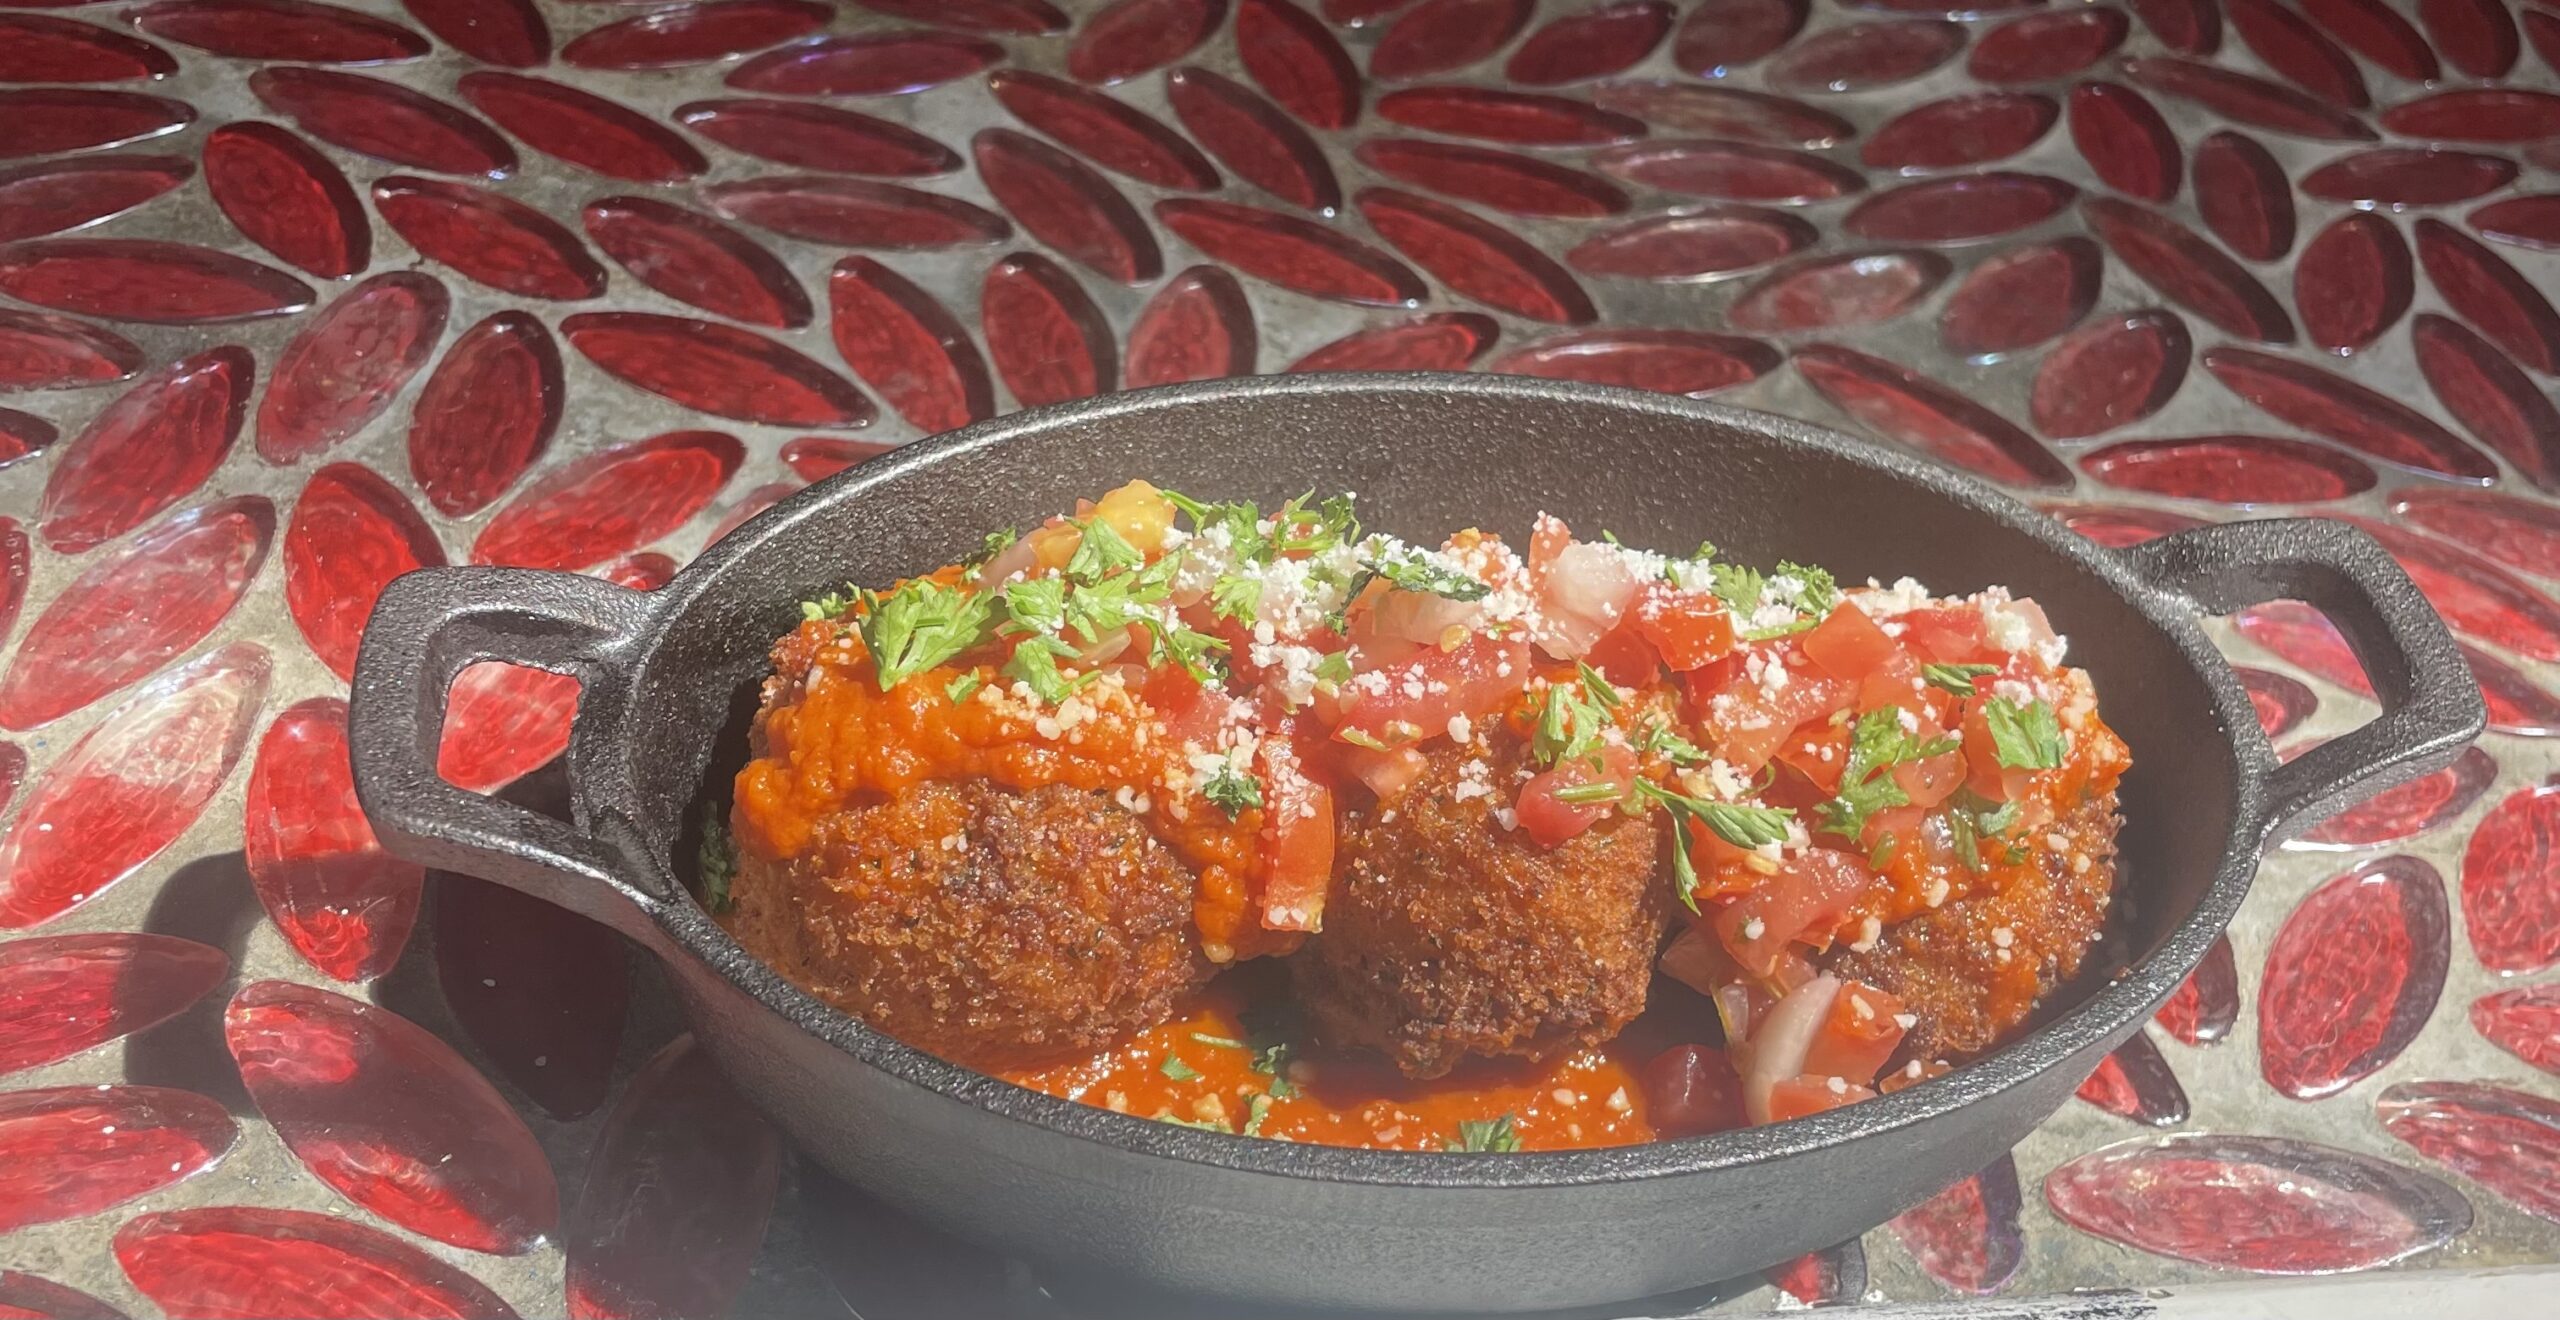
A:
(2431, 704)
(426, 629)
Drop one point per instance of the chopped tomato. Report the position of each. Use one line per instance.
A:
(1688, 629)
(1801, 1097)
(1624, 657)
(1748, 730)
(1297, 838)
(1810, 890)
(1983, 772)
(1912, 1074)
(1858, 1035)
(1950, 635)
(1819, 752)
(1896, 682)
(1902, 823)
(1189, 710)
(1848, 644)
(1415, 699)
(1586, 590)
(1550, 819)
(1690, 1089)
(1547, 538)
(1387, 771)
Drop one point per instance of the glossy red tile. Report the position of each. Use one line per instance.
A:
(296, 30)
(2352, 976)
(1864, 56)
(1828, 292)
(2409, 176)
(2521, 534)
(2483, 288)
(717, 369)
(44, 120)
(2525, 1022)
(1695, 363)
(2022, 297)
(62, 994)
(582, 128)
(131, 785)
(2510, 885)
(1693, 244)
(504, 721)
(1199, 326)
(506, 33)
(1263, 146)
(2530, 221)
(287, 198)
(2044, 47)
(23, 434)
(2314, 1209)
(147, 450)
(485, 414)
(1962, 208)
(1021, 17)
(1135, 36)
(2490, 396)
(855, 213)
(2205, 1006)
(2354, 282)
(1048, 341)
(238, 1260)
(1528, 119)
(1476, 258)
(696, 33)
(53, 196)
(817, 457)
(1434, 341)
(42, 1299)
(1971, 129)
(1115, 136)
(2244, 196)
(907, 347)
(146, 279)
(610, 502)
(1498, 180)
(1291, 55)
(1436, 36)
(2119, 525)
(2375, 30)
(341, 902)
(1720, 36)
(2124, 141)
(1730, 171)
(1727, 113)
(383, 120)
(489, 237)
(2477, 114)
(2231, 469)
(2501, 1138)
(2407, 811)
(39, 48)
(2246, 100)
(2288, 44)
(1295, 254)
(2476, 36)
(1590, 43)
(351, 533)
(697, 260)
(2338, 409)
(2189, 27)
(1902, 405)
(69, 1151)
(1967, 1236)
(1067, 205)
(872, 64)
(40, 352)
(817, 137)
(2188, 270)
(341, 371)
(1835, 1276)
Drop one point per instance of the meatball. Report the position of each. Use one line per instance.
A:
(1974, 969)
(994, 929)
(1448, 935)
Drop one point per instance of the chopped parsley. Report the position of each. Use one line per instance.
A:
(1480, 1135)
(1957, 679)
(1416, 573)
(1236, 596)
(829, 606)
(1737, 585)
(1335, 668)
(1035, 665)
(1035, 605)
(997, 543)
(2024, 737)
(1222, 1042)
(1820, 590)
(1232, 790)
(717, 858)
(1867, 786)
(1100, 552)
(964, 687)
(1258, 1110)
(1569, 726)
(1175, 1068)
(921, 624)
(1195, 651)
(1973, 821)
(1739, 824)
(1659, 738)
(1297, 529)
(1586, 794)
(1883, 852)
(1596, 687)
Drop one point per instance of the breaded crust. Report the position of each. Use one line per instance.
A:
(1448, 936)
(1974, 969)
(994, 929)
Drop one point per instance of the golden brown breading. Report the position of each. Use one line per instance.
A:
(1974, 969)
(1448, 936)
(994, 929)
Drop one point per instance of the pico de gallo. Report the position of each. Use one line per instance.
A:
(1830, 766)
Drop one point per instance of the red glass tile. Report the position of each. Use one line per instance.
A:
(2525, 1022)
(2244, 196)
(1967, 1236)
(2045, 47)
(1730, 171)
(2231, 469)
(383, 120)
(506, 33)
(2522, 534)
(238, 1260)
(1528, 119)
(2125, 141)
(2408, 810)
(2511, 885)
(1134, 36)
(131, 612)
(61, 994)
(539, 989)
(2542, 32)
(1436, 36)
(26, 1297)
(1714, 112)
(1065, 204)
(43, 120)
(610, 502)
(854, 213)
(676, 1196)
(1117, 137)
(53, 196)
(1590, 43)
(906, 346)
(485, 414)
(2352, 976)
(2119, 525)
(131, 785)
(1197, 327)
(2482, 288)
(68, 1151)
(1435, 341)
(2022, 297)
(817, 137)
(2117, 371)
(1295, 254)
(296, 30)
(39, 48)
(2189, 27)
(342, 903)
(2504, 1139)
(2206, 1005)
(488, 237)
(1500, 180)
(2354, 281)
(1291, 55)
(1833, 1277)
(2252, 101)
(391, 1117)
(2478, 114)
(2281, 701)
(2409, 176)
(1864, 56)
(1264, 147)
(341, 371)
(2531, 221)
(1691, 362)
(582, 128)
(1475, 258)
(2311, 1209)
(2476, 36)
(1023, 17)
(1902, 405)
(144, 279)
(716, 369)
(1960, 130)
(287, 198)
(2373, 29)
(692, 34)
(1698, 243)
(1827, 292)
(2188, 270)
(695, 259)
(351, 533)
(817, 457)
(2297, 51)
(22, 434)
(1047, 339)
(873, 64)
(1959, 209)
(2489, 395)
(2332, 406)
(147, 450)
(504, 721)
(1720, 36)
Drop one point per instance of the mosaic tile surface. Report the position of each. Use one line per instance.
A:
(297, 296)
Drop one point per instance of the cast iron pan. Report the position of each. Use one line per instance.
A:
(669, 679)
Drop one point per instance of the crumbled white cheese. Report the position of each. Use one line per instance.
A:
(1730, 784)
(1837, 1085)
(2003, 937)
(1461, 729)
(1907, 1021)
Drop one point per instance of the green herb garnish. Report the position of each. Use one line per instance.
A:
(964, 687)
(1738, 586)
(1596, 687)
(1175, 1068)
(1659, 738)
(1236, 596)
(1035, 665)
(1737, 824)
(996, 543)
(1335, 668)
(1480, 1135)
(1586, 794)
(829, 606)
(717, 859)
(1222, 1042)
(1416, 573)
(2024, 737)
(1100, 552)
(921, 624)
(1957, 679)
(1569, 726)
(1867, 785)
(1035, 605)
(1258, 1109)
(1200, 1124)
(1232, 790)
(1821, 591)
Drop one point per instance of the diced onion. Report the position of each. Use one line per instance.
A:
(1780, 1040)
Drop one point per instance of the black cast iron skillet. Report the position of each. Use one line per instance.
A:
(668, 683)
